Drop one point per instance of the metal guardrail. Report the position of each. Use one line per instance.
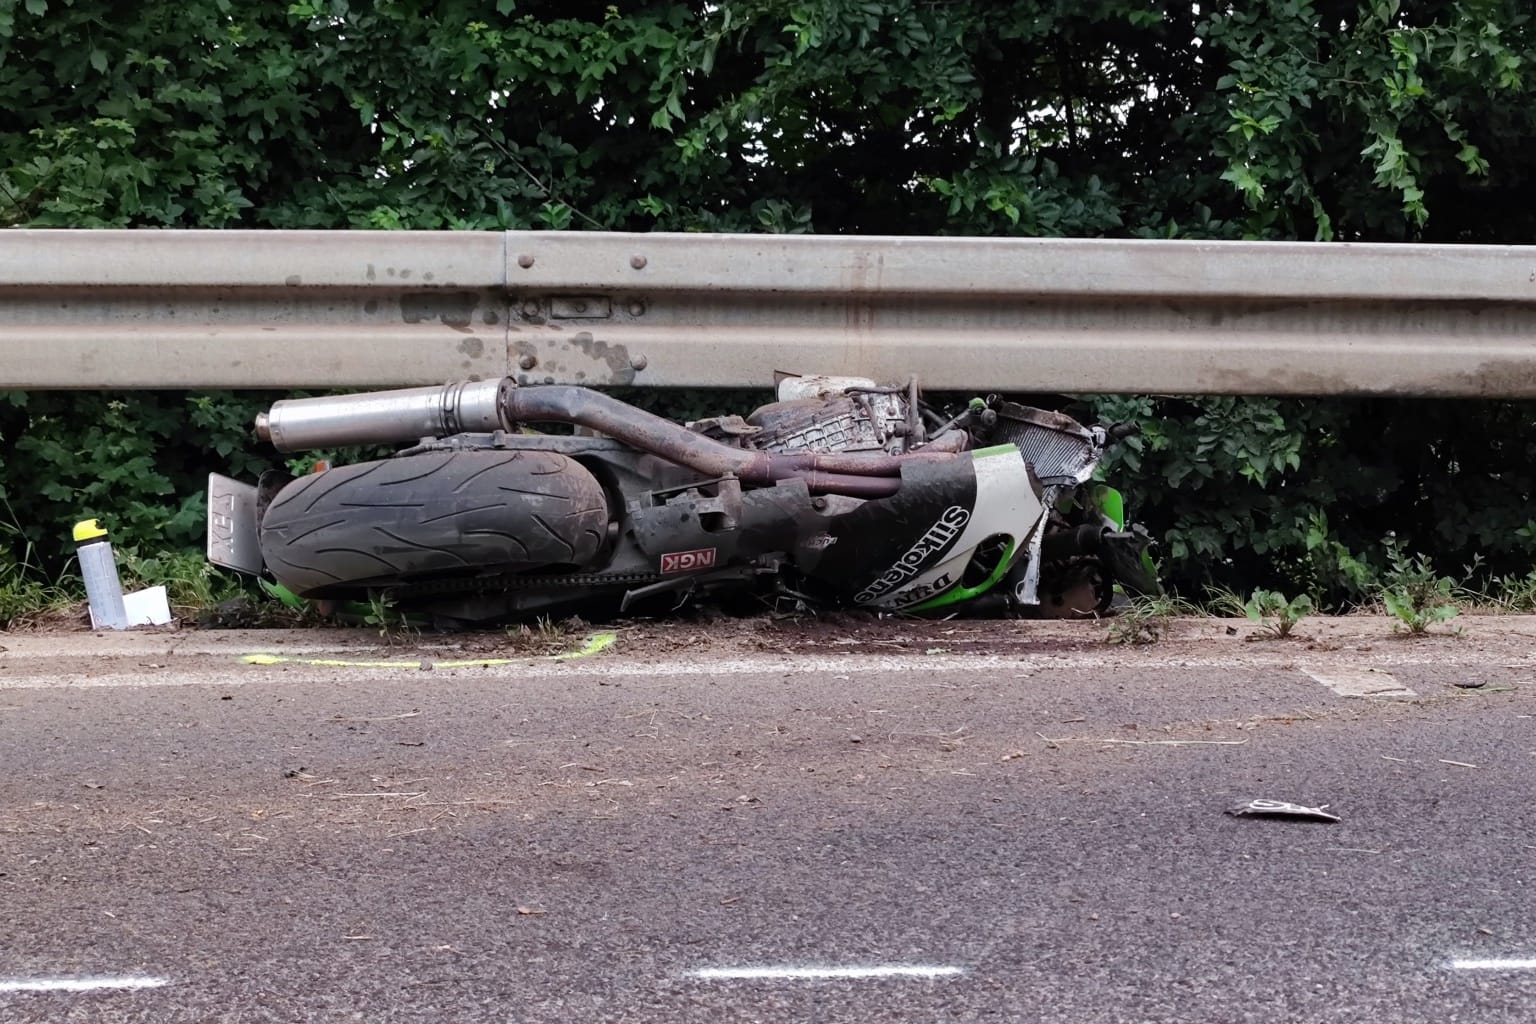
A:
(138, 309)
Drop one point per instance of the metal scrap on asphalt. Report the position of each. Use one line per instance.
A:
(1281, 809)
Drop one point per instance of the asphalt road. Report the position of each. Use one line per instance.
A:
(763, 838)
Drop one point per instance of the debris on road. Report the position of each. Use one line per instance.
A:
(1281, 809)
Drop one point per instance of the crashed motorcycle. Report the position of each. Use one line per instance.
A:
(842, 493)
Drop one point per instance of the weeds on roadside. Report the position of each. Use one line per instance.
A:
(22, 597)
(1276, 614)
(1514, 593)
(23, 593)
(192, 584)
(544, 635)
(1414, 593)
(1146, 620)
(1495, 594)
(390, 621)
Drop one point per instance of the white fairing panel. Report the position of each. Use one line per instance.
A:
(1005, 505)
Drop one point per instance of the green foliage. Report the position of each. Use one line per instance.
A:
(23, 595)
(192, 584)
(382, 614)
(1284, 118)
(1306, 83)
(23, 589)
(1294, 494)
(1412, 591)
(1515, 594)
(1357, 120)
(1277, 614)
(137, 462)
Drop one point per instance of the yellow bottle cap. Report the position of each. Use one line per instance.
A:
(88, 529)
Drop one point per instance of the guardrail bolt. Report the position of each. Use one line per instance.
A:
(639, 363)
(525, 260)
(531, 308)
(528, 362)
(637, 308)
(637, 261)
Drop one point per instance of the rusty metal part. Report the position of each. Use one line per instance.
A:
(651, 433)
(853, 486)
(949, 441)
(915, 432)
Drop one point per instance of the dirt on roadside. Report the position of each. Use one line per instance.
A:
(706, 634)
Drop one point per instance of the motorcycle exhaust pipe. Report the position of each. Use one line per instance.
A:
(410, 414)
(384, 417)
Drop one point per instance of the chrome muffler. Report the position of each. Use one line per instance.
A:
(385, 417)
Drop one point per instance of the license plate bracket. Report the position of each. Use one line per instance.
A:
(233, 542)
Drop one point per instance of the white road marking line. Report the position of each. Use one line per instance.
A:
(819, 973)
(77, 984)
(1360, 682)
(1494, 965)
(850, 665)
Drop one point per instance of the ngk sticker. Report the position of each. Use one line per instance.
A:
(687, 561)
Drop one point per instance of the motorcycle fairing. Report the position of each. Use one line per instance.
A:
(1008, 511)
(922, 539)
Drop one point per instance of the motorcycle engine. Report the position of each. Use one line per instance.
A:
(837, 414)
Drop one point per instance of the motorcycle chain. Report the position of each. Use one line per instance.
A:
(516, 581)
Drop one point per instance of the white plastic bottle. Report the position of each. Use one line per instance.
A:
(99, 567)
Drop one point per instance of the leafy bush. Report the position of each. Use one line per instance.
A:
(138, 462)
(1294, 495)
(1125, 118)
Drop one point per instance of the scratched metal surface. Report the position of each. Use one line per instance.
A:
(367, 309)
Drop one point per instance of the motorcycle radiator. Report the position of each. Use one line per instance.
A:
(1062, 451)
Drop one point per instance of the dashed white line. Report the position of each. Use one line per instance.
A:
(77, 984)
(1494, 965)
(822, 973)
(1361, 682)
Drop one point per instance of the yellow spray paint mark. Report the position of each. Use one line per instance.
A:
(596, 644)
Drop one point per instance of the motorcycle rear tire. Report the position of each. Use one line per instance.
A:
(432, 516)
